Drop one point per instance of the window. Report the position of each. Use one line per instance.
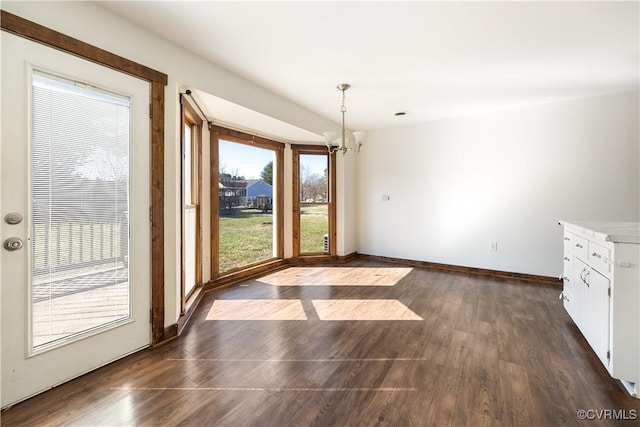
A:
(314, 210)
(191, 195)
(80, 209)
(247, 221)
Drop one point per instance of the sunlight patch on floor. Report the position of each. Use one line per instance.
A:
(363, 309)
(337, 276)
(257, 309)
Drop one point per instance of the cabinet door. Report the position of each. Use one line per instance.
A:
(580, 292)
(568, 298)
(598, 315)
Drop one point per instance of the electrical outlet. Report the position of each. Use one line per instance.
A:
(386, 198)
(493, 246)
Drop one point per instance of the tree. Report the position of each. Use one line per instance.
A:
(267, 173)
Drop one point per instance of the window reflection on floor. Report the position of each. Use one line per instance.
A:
(279, 309)
(337, 276)
(363, 309)
(349, 309)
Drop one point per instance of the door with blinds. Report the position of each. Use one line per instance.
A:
(75, 208)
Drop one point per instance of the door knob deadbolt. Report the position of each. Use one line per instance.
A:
(13, 244)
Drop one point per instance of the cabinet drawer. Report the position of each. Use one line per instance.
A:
(599, 257)
(580, 247)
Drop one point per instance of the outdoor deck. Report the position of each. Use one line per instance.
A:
(78, 300)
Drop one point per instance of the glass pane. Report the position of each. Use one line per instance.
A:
(246, 192)
(314, 198)
(188, 165)
(314, 228)
(80, 199)
(189, 211)
(189, 249)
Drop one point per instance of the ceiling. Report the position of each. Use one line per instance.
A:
(434, 60)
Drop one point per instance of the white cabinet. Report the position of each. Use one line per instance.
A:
(601, 293)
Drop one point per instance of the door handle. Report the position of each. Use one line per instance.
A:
(583, 276)
(13, 244)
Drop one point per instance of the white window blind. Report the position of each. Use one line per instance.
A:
(80, 144)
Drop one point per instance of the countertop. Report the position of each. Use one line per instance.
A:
(610, 231)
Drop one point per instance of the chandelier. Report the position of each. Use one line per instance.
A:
(339, 143)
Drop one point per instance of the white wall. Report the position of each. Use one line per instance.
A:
(93, 24)
(346, 222)
(457, 185)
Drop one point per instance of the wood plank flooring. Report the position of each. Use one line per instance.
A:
(479, 351)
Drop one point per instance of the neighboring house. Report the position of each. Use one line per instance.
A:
(234, 193)
(259, 194)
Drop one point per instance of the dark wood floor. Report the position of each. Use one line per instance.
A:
(488, 352)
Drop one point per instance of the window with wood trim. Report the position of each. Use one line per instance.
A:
(314, 214)
(246, 201)
(191, 248)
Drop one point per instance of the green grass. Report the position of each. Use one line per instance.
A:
(314, 224)
(246, 236)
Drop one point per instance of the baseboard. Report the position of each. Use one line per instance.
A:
(554, 281)
(191, 305)
(322, 259)
(245, 274)
(170, 333)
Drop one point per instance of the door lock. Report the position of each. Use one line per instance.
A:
(13, 244)
(13, 218)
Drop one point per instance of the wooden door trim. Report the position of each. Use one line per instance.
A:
(40, 34)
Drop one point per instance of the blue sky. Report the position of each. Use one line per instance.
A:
(247, 161)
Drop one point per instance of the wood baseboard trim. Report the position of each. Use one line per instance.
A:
(322, 259)
(246, 274)
(170, 333)
(192, 303)
(553, 281)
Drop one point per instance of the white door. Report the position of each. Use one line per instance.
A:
(75, 166)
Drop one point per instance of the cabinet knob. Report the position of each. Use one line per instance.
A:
(578, 245)
(567, 258)
(597, 255)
